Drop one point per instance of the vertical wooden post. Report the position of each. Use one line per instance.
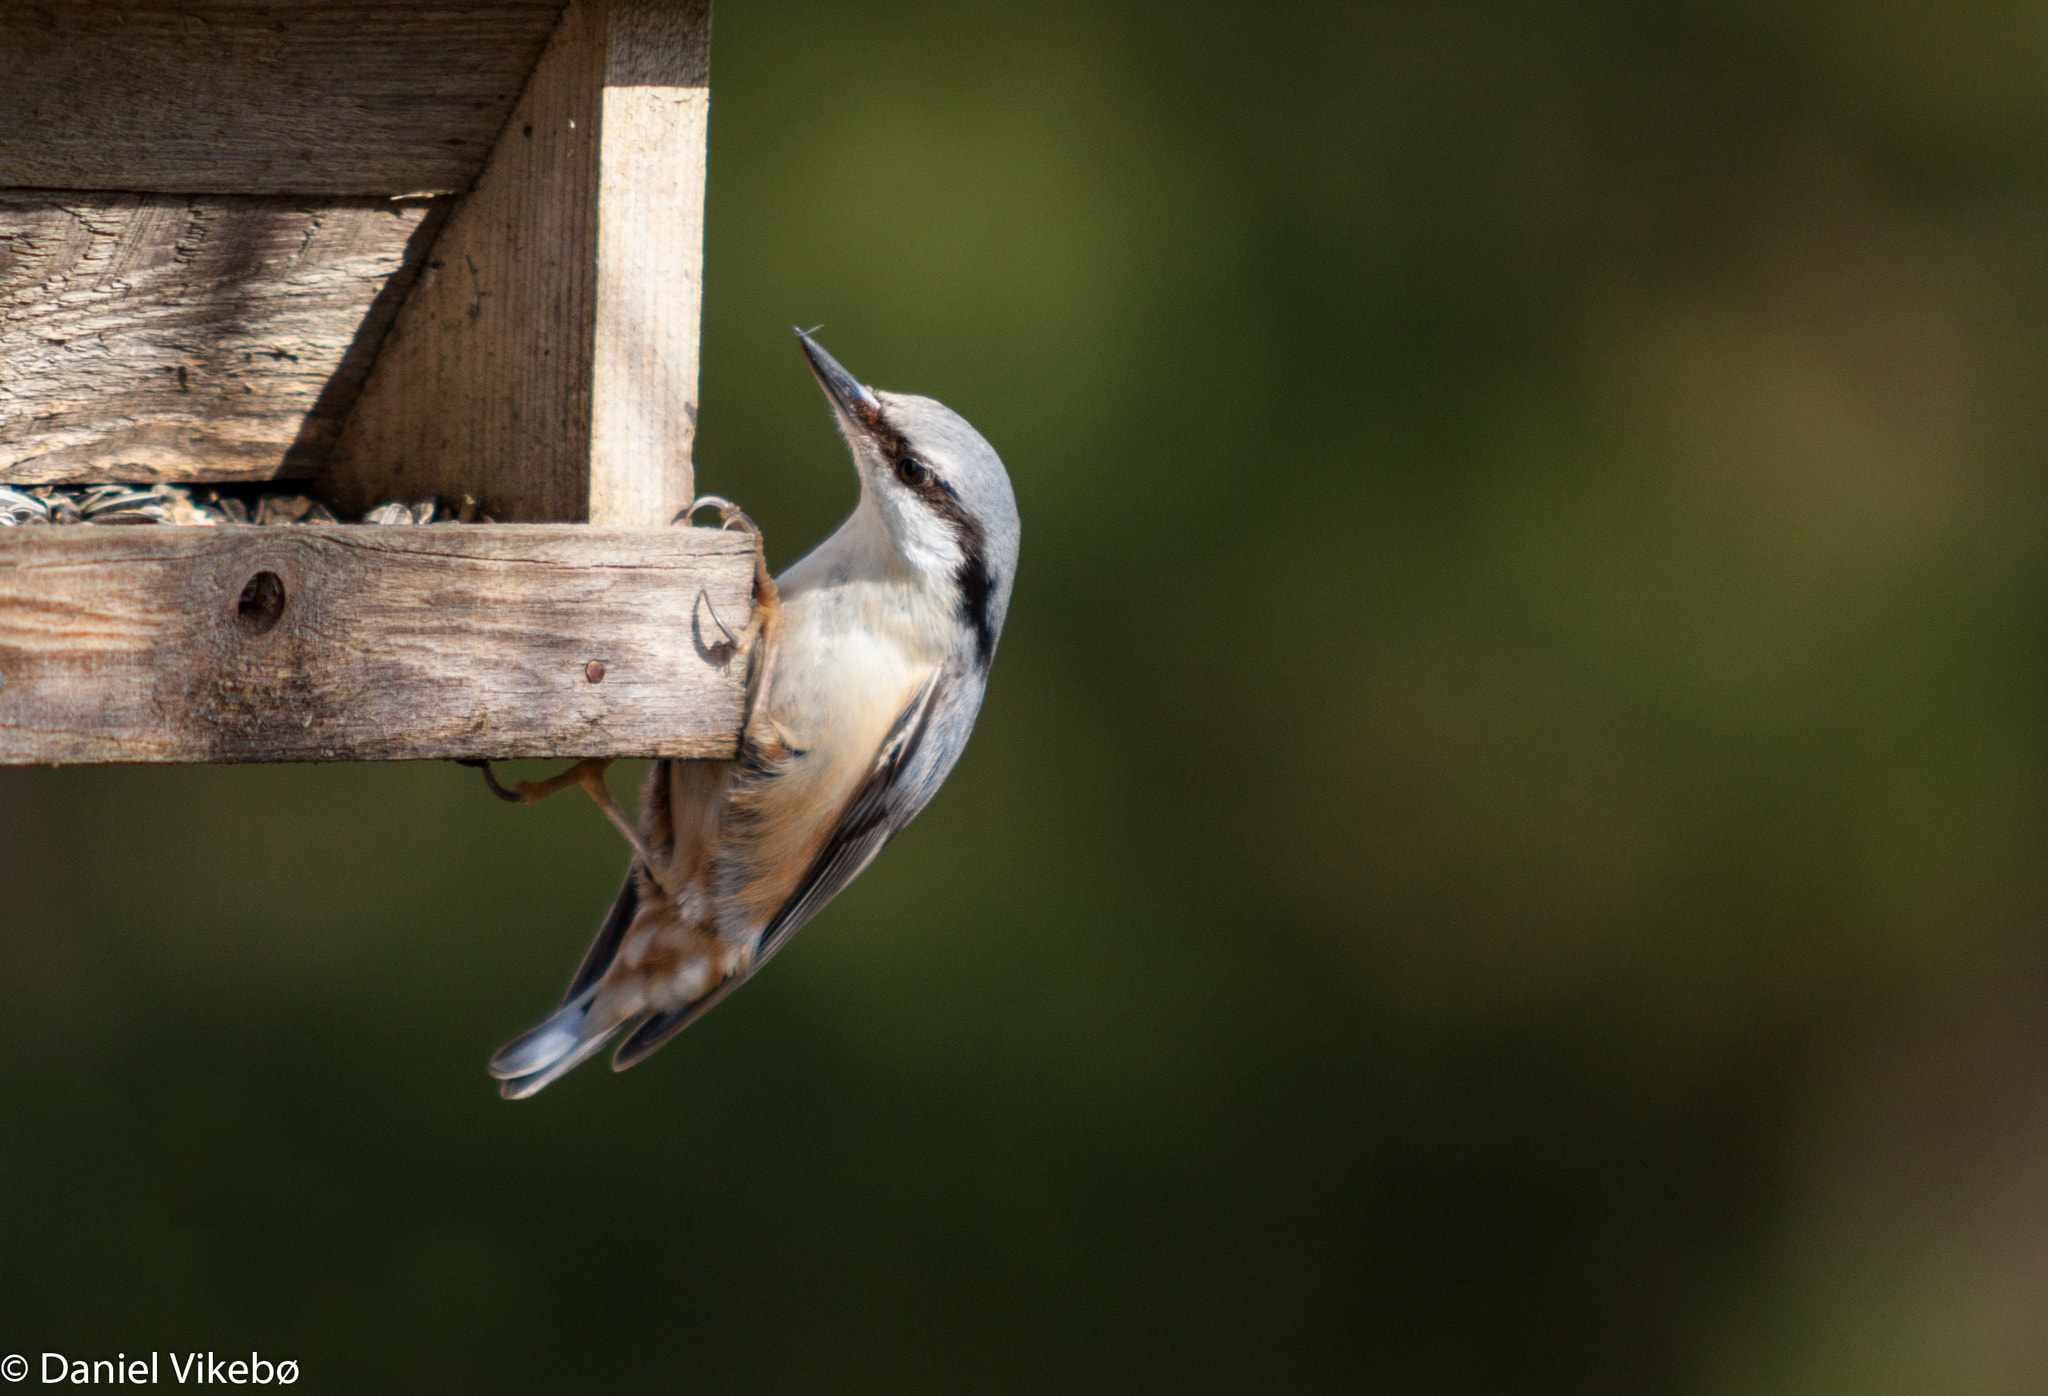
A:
(650, 260)
(546, 359)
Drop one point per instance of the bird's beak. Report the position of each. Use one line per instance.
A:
(855, 402)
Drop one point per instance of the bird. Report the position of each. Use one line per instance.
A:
(869, 663)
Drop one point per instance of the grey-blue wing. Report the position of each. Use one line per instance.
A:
(605, 947)
(920, 749)
(658, 821)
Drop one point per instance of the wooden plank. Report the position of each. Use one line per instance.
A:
(151, 337)
(654, 127)
(314, 97)
(546, 359)
(482, 385)
(147, 644)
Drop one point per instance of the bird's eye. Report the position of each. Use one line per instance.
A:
(913, 472)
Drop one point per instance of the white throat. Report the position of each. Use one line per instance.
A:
(859, 579)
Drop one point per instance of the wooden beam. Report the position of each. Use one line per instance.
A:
(546, 359)
(304, 97)
(653, 129)
(348, 643)
(150, 337)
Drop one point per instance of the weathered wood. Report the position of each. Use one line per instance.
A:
(151, 644)
(309, 97)
(546, 359)
(650, 257)
(482, 385)
(151, 337)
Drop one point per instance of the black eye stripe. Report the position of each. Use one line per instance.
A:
(977, 585)
(972, 575)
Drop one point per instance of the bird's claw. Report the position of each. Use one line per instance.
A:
(511, 797)
(762, 738)
(730, 515)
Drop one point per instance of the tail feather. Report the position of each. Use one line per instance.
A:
(657, 1028)
(605, 948)
(535, 1058)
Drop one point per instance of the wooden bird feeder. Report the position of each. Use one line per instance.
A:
(386, 251)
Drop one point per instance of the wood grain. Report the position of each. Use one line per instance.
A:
(650, 257)
(546, 359)
(146, 644)
(152, 337)
(308, 97)
(482, 385)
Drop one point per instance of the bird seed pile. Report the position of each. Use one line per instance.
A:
(173, 504)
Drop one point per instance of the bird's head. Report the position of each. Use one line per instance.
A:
(940, 491)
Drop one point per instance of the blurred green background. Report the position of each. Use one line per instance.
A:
(1504, 853)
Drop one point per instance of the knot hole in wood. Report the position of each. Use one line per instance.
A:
(261, 604)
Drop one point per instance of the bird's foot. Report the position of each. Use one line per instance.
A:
(590, 776)
(730, 515)
(762, 739)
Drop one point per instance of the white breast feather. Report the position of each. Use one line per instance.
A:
(860, 638)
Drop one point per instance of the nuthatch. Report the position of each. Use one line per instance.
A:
(869, 665)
